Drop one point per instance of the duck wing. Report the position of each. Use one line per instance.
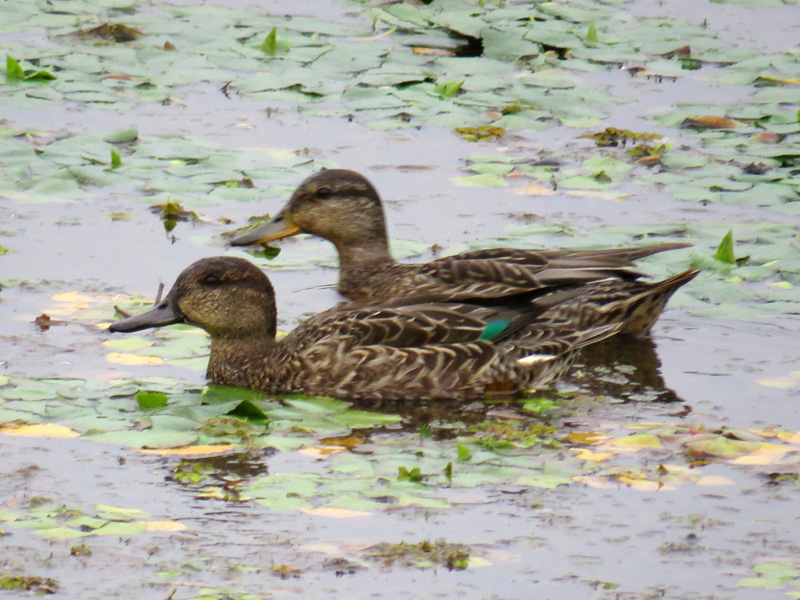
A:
(503, 272)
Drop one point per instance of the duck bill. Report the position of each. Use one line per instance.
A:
(165, 313)
(279, 227)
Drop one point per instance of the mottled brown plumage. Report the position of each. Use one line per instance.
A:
(397, 350)
(344, 208)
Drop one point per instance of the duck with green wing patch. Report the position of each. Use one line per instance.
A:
(404, 349)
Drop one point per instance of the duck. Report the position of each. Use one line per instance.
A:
(408, 349)
(584, 286)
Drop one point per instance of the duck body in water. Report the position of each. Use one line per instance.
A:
(586, 287)
(405, 349)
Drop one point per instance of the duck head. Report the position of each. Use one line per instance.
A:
(228, 297)
(336, 204)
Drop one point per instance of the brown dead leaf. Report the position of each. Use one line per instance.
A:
(710, 122)
(588, 438)
(432, 51)
(43, 322)
(349, 442)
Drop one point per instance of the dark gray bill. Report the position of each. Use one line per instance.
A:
(166, 313)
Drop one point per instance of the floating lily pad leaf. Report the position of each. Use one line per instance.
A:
(151, 400)
(121, 529)
(507, 45)
(683, 160)
(483, 180)
(587, 182)
(45, 430)
(62, 533)
(557, 35)
(360, 419)
(123, 136)
(146, 439)
(551, 79)
(721, 447)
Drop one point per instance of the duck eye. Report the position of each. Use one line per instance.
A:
(323, 193)
(211, 280)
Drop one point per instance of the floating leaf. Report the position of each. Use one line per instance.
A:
(710, 122)
(587, 437)
(133, 359)
(637, 441)
(116, 161)
(44, 430)
(151, 400)
(586, 454)
(163, 526)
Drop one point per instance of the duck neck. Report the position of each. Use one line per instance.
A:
(359, 261)
(239, 360)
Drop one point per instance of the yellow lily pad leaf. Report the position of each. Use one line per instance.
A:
(199, 450)
(336, 513)
(780, 383)
(44, 430)
(766, 79)
(321, 452)
(644, 485)
(767, 433)
(119, 510)
(121, 358)
(714, 480)
(533, 189)
(586, 454)
(477, 561)
(589, 438)
(638, 441)
(765, 454)
(163, 526)
(73, 298)
(793, 437)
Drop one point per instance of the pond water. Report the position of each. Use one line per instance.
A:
(655, 470)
